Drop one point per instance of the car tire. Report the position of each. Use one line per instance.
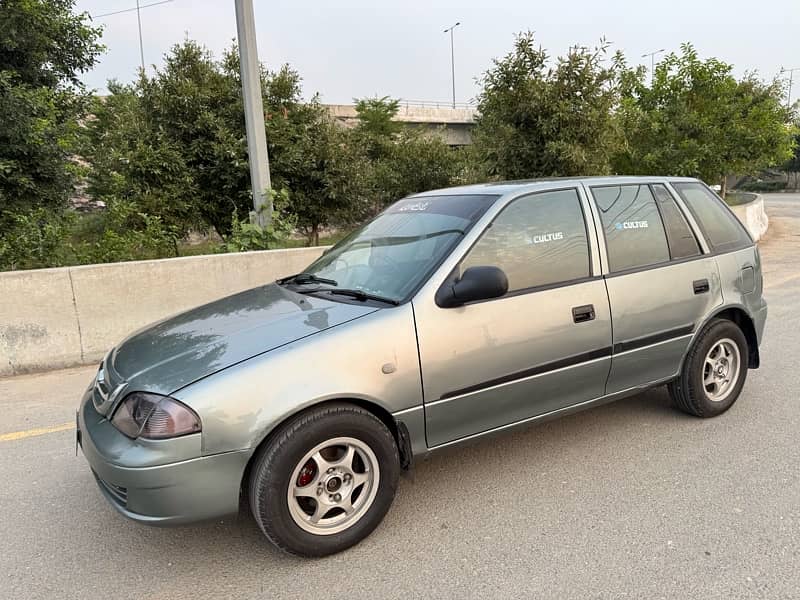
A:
(308, 455)
(714, 371)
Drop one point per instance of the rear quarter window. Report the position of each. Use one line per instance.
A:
(681, 240)
(722, 230)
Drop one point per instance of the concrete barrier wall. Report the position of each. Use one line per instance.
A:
(52, 318)
(753, 216)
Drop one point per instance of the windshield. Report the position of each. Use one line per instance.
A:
(391, 255)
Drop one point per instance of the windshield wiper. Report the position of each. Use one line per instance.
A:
(301, 278)
(362, 295)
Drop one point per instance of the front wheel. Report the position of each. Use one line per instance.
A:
(714, 371)
(325, 480)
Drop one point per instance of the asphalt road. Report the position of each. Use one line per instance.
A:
(629, 500)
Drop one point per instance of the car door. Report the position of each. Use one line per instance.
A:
(660, 284)
(543, 346)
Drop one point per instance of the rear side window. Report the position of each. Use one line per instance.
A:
(681, 240)
(722, 229)
(537, 240)
(632, 225)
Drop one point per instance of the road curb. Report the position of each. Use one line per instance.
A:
(753, 216)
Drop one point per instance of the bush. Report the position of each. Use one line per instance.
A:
(124, 233)
(35, 239)
(246, 236)
(762, 186)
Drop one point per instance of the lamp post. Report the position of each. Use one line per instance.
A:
(453, 59)
(791, 76)
(652, 56)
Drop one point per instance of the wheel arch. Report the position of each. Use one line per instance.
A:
(397, 428)
(739, 315)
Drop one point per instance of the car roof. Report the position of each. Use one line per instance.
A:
(523, 186)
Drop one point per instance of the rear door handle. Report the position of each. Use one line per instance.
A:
(581, 314)
(700, 286)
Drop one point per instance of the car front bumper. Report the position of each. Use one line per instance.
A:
(173, 493)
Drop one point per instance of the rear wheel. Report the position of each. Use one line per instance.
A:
(714, 371)
(325, 480)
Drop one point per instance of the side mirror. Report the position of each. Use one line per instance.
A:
(476, 283)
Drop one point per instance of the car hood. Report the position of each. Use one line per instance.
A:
(172, 353)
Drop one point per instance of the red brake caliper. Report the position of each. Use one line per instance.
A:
(307, 473)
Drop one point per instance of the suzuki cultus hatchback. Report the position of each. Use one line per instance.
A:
(452, 315)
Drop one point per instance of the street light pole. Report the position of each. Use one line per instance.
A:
(253, 113)
(652, 56)
(791, 76)
(452, 59)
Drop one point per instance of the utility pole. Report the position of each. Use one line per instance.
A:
(141, 44)
(791, 76)
(253, 114)
(452, 59)
(652, 56)
(138, 10)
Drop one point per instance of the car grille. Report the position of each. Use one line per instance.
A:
(117, 492)
(107, 386)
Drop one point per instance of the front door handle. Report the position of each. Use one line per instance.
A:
(700, 286)
(581, 314)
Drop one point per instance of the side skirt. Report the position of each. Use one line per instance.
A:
(555, 414)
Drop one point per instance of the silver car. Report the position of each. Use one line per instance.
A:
(454, 314)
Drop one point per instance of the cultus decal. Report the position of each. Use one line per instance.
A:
(632, 225)
(548, 237)
(415, 207)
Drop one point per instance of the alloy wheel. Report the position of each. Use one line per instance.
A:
(721, 369)
(333, 486)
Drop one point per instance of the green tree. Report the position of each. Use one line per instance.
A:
(414, 162)
(133, 161)
(401, 159)
(44, 46)
(538, 119)
(696, 119)
(174, 144)
(192, 106)
(327, 174)
(792, 166)
(377, 115)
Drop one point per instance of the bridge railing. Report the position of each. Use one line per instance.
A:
(436, 104)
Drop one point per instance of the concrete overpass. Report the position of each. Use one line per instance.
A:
(453, 124)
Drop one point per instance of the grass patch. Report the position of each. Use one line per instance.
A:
(199, 248)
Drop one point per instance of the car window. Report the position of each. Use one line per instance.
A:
(633, 230)
(536, 240)
(681, 240)
(721, 228)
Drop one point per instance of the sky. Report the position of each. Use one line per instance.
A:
(355, 48)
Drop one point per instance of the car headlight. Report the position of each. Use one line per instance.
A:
(154, 417)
